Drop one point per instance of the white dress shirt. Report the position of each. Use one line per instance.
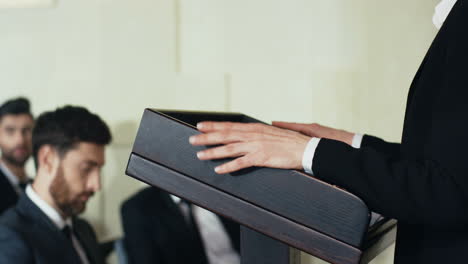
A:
(218, 247)
(442, 10)
(55, 217)
(14, 181)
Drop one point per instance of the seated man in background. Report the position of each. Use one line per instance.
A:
(68, 150)
(16, 125)
(161, 228)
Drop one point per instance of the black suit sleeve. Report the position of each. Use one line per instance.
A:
(387, 148)
(414, 191)
(140, 246)
(13, 248)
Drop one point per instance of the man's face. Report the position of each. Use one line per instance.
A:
(77, 178)
(15, 138)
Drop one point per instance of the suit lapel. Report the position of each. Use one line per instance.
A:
(45, 234)
(8, 195)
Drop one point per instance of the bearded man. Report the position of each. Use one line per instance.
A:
(16, 125)
(43, 227)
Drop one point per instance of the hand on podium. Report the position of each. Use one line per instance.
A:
(319, 131)
(251, 144)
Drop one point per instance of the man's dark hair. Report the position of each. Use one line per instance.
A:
(15, 106)
(65, 127)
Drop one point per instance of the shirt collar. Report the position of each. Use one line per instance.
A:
(48, 210)
(175, 199)
(441, 12)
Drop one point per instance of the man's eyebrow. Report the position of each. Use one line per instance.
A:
(92, 163)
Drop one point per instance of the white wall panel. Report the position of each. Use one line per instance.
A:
(338, 62)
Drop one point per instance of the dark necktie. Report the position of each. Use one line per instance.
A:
(23, 185)
(67, 232)
(186, 210)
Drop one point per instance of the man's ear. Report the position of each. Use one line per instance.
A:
(46, 158)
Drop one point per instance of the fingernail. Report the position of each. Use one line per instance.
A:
(192, 139)
(200, 125)
(218, 169)
(200, 154)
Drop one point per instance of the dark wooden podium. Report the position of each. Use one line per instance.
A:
(276, 208)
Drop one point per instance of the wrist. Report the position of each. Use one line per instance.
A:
(348, 137)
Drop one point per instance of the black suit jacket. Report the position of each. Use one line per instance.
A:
(156, 231)
(28, 236)
(8, 195)
(422, 182)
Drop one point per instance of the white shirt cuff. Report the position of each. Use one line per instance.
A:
(308, 156)
(357, 140)
(309, 152)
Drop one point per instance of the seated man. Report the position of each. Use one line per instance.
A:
(163, 229)
(16, 124)
(68, 151)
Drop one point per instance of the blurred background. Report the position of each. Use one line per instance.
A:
(341, 63)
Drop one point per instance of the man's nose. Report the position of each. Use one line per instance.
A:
(20, 138)
(95, 182)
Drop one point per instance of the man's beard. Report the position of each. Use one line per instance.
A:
(8, 156)
(61, 193)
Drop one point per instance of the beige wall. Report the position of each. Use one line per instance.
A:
(339, 62)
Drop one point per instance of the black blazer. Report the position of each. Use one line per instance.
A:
(8, 195)
(28, 236)
(156, 231)
(422, 182)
